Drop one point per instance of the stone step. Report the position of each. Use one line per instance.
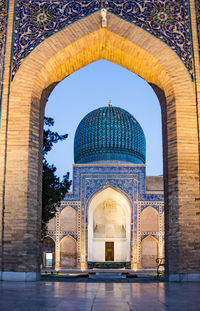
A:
(106, 275)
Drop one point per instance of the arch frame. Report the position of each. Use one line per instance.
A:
(68, 236)
(110, 193)
(156, 243)
(21, 131)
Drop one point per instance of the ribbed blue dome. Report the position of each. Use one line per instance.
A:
(109, 134)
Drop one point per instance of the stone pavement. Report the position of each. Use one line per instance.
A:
(71, 296)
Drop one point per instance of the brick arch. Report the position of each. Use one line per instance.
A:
(149, 252)
(149, 219)
(48, 244)
(58, 56)
(68, 219)
(68, 252)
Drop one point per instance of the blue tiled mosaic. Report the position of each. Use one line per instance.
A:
(130, 180)
(168, 20)
(111, 173)
(151, 197)
(75, 207)
(197, 2)
(109, 134)
(71, 234)
(156, 207)
(147, 235)
(3, 29)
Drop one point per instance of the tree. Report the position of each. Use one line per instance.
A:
(53, 190)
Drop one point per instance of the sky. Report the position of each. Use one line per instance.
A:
(92, 87)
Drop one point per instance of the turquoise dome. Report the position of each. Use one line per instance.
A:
(109, 134)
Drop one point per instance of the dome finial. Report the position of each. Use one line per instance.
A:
(110, 103)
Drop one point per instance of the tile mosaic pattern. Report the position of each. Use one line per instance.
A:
(151, 197)
(155, 206)
(3, 28)
(168, 20)
(101, 176)
(197, 2)
(130, 180)
(109, 133)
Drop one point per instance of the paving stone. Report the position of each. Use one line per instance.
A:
(58, 296)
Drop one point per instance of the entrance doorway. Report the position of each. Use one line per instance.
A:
(109, 251)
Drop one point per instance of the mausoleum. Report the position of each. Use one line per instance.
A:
(114, 216)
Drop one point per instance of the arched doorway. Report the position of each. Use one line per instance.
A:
(48, 252)
(109, 228)
(68, 253)
(22, 122)
(149, 252)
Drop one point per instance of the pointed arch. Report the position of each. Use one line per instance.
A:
(109, 219)
(48, 244)
(149, 220)
(149, 252)
(48, 252)
(102, 188)
(68, 219)
(68, 252)
(58, 56)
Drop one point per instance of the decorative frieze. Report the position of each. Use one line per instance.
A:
(197, 2)
(3, 29)
(167, 20)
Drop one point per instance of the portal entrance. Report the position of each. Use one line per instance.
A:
(42, 66)
(109, 250)
(109, 227)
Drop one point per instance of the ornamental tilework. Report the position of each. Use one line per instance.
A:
(109, 174)
(151, 197)
(109, 133)
(88, 180)
(3, 28)
(168, 20)
(150, 234)
(69, 234)
(74, 205)
(197, 2)
(126, 184)
(156, 207)
(38, 20)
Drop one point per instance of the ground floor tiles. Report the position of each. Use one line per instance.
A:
(74, 296)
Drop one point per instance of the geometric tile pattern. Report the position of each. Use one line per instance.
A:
(109, 133)
(3, 29)
(130, 180)
(167, 20)
(197, 2)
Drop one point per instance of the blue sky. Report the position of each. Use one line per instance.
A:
(92, 87)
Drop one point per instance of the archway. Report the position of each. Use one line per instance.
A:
(48, 252)
(68, 219)
(149, 220)
(68, 252)
(109, 227)
(21, 134)
(149, 252)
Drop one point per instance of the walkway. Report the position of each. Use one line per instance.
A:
(70, 296)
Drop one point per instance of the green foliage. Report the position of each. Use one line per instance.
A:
(53, 190)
